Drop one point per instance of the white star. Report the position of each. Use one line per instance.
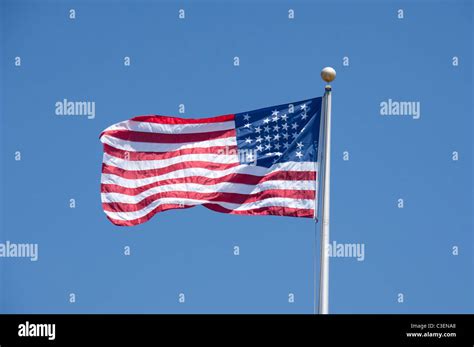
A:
(276, 137)
(275, 113)
(267, 128)
(248, 140)
(286, 145)
(246, 117)
(277, 146)
(268, 146)
(294, 126)
(285, 136)
(259, 148)
(268, 138)
(259, 139)
(275, 119)
(285, 126)
(258, 130)
(304, 116)
(266, 120)
(300, 145)
(299, 155)
(276, 128)
(247, 125)
(303, 107)
(284, 117)
(295, 135)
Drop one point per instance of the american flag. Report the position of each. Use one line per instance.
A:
(261, 162)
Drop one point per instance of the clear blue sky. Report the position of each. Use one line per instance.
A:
(190, 61)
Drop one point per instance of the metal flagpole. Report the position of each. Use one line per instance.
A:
(328, 74)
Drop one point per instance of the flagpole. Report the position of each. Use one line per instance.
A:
(328, 74)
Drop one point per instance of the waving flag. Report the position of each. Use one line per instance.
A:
(261, 162)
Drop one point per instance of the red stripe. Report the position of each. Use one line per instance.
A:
(135, 156)
(231, 178)
(234, 198)
(138, 136)
(167, 169)
(176, 120)
(271, 210)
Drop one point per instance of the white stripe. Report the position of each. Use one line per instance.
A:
(242, 169)
(281, 202)
(224, 187)
(133, 146)
(149, 127)
(157, 164)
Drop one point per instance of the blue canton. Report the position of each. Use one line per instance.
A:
(278, 134)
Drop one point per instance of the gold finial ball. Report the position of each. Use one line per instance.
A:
(328, 74)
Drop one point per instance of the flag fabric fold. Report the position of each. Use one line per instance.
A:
(262, 162)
